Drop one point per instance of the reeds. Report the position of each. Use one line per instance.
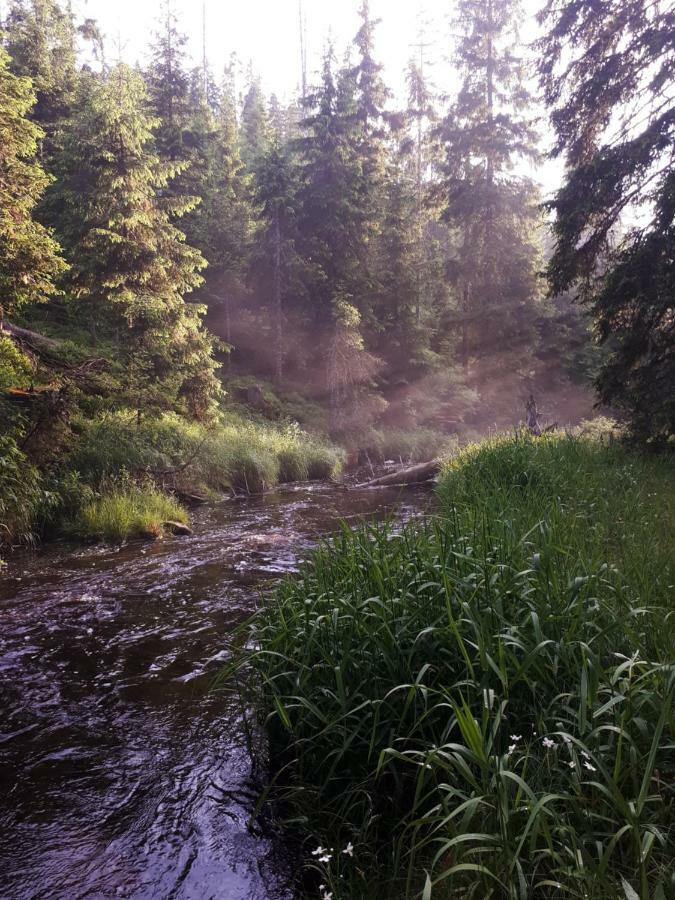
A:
(481, 706)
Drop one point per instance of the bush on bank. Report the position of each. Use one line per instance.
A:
(481, 706)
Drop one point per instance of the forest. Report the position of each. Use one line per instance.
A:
(212, 295)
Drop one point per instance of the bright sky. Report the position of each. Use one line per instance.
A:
(267, 32)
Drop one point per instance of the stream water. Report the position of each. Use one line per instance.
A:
(121, 773)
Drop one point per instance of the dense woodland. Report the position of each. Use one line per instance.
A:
(175, 242)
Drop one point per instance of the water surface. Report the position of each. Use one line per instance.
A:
(121, 773)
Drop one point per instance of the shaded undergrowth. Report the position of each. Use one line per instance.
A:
(481, 706)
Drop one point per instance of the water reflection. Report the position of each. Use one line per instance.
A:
(121, 775)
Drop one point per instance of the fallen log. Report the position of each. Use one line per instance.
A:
(413, 475)
(24, 334)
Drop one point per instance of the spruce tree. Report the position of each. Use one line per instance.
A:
(29, 256)
(492, 210)
(255, 126)
(332, 228)
(169, 87)
(608, 81)
(222, 225)
(131, 265)
(277, 262)
(42, 45)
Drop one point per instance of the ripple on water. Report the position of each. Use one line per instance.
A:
(121, 774)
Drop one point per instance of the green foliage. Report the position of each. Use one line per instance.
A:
(126, 511)
(29, 257)
(132, 266)
(494, 212)
(15, 366)
(234, 453)
(22, 496)
(605, 80)
(41, 43)
(482, 704)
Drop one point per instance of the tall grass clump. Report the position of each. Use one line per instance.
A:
(231, 454)
(22, 494)
(481, 706)
(124, 511)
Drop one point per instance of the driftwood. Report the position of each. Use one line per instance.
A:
(414, 475)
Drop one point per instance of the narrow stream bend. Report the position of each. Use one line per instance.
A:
(121, 775)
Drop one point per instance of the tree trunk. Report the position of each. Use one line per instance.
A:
(465, 328)
(414, 475)
(278, 308)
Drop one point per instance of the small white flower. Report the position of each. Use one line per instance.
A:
(548, 743)
(590, 767)
(572, 764)
(516, 737)
(326, 858)
(319, 851)
(585, 755)
(349, 849)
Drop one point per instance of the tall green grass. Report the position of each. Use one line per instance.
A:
(125, 511)
(481, 706)
(233, 454)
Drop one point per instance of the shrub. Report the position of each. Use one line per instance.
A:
(16, 368)
(482, 706)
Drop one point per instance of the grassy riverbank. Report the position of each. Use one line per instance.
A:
(482, 706)
(122, 477)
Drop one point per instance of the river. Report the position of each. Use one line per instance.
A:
(121, 773)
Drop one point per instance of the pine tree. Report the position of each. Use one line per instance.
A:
(29, 256)
(255, 128)
(608, 79)
(277, 261)
(222, 225)
(332, 228)
(42, 45)
(169, 87)
(369, 134)
(131, 265)
(493, 210)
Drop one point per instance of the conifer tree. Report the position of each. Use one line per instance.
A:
(29, 256)
(169, 86)
(608, 80)
(255, 129)
(222, 225)
(42, 45)
(276, 258)
(333, 226)
(492, 210)
(131, 265)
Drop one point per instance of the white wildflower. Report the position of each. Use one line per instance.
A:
(572, 764)
(512, 747)
(585, 755)
(590, 767)
(319, 851)
(516, 737)
(326, 858)
(349, 849)
(548, 743)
